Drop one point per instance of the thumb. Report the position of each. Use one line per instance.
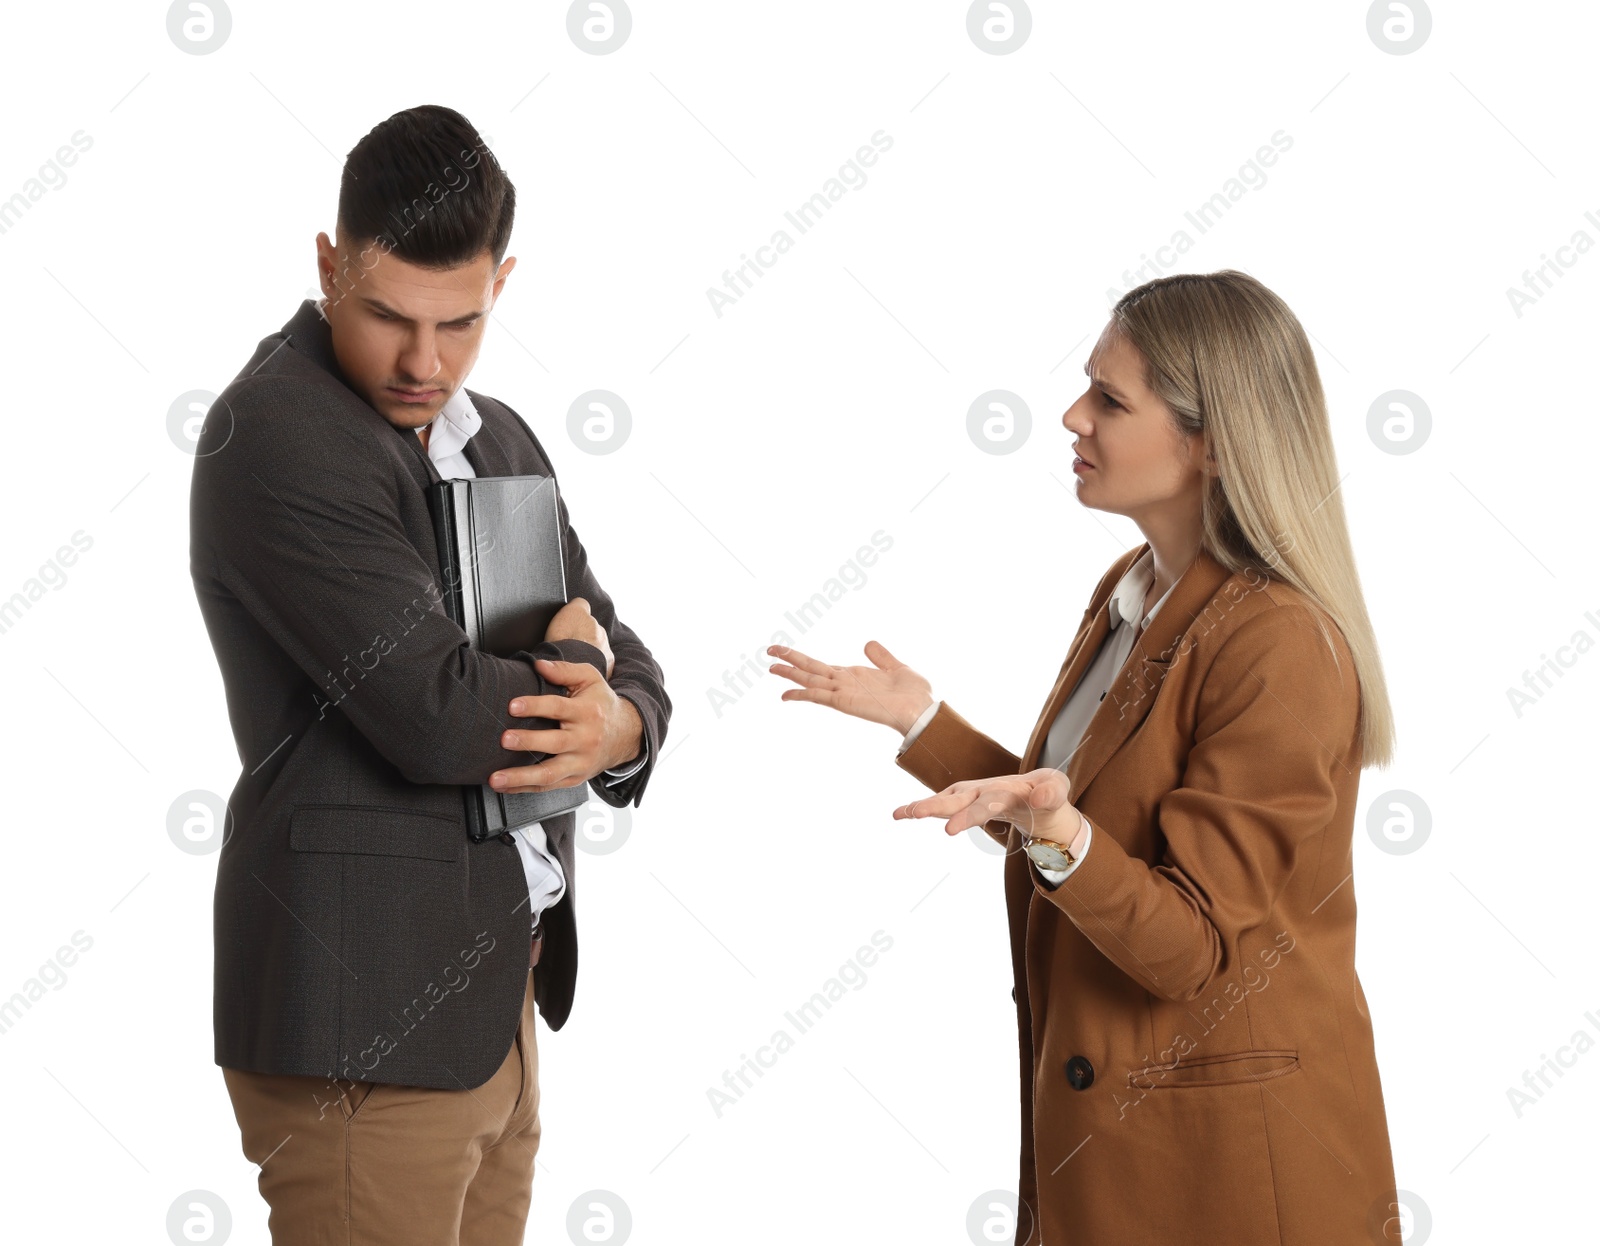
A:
(881, 657)
(1050, 791)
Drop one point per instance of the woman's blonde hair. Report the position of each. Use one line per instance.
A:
(1233, 363)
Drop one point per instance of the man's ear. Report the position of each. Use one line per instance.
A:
(501, 273)
(327, 261)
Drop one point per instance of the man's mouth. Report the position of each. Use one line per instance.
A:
(414, 395)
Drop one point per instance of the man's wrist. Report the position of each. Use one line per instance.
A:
(632, 733)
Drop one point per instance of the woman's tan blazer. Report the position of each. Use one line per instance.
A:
(1197, 1056)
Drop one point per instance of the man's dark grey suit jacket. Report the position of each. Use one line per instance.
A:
(359, 933)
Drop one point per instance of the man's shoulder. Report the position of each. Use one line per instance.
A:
(287, 397)
(280, 379)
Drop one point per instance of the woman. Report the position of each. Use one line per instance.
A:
(1197, 1057)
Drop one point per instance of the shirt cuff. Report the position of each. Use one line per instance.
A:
(1054, 878)
(923, 720)
(628, 769)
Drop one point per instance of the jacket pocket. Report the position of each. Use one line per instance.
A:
(373, 831)
(1228, 1069)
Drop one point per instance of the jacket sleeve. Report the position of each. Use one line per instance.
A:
(951, 750)
(1274, 735)
(297, 516)
(635, 675)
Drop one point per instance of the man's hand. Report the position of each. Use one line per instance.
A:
(574, 622)
(597, 730)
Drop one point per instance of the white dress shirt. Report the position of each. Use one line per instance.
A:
(1067, 730)
(451, 429)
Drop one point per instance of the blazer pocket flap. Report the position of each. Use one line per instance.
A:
(366, 830)
(1223, 1069)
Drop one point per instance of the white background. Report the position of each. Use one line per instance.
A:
(768, 445)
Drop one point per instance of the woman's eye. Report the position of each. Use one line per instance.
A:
(1109, 400)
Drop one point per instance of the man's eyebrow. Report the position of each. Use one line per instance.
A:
(1104, 384)
(389, 311)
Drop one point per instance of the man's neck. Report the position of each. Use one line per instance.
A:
(425, 432)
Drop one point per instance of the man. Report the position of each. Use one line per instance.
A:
(376, 971)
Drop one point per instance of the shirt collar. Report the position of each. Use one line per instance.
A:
(454, 426)
(1129, 594)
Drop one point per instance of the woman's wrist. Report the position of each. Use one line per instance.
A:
(1076, 845)
(916, 716)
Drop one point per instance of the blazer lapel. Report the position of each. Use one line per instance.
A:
(1082, 652)
(1092, 631)
(484, 449)
(1135, 687)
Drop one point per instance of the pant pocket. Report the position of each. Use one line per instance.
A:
(353, 1098)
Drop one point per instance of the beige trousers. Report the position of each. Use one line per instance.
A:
(347, 1163)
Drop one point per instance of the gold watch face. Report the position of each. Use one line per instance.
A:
(1048, 855)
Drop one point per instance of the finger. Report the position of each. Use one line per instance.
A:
(521, 778)
(804, 661)
(517, 791)
(550, 705)
(941, 806)
(552, 740)
(820, 696)
(573, 675)
(804, 678)
(548, 774)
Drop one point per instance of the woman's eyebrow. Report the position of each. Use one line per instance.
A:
(1104, 384)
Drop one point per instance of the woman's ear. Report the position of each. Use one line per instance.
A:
(1200, 456)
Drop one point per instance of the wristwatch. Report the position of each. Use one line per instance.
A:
(1049, 855)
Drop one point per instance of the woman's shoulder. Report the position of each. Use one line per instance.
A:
(1265, 627)
(1284, 610)
(1247, 598)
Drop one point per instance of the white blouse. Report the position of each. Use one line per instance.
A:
(1066, 732)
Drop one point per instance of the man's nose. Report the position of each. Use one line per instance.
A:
(420, 359)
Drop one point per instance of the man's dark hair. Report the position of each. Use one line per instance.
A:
(425, 187)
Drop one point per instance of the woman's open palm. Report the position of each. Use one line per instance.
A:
(887, 692)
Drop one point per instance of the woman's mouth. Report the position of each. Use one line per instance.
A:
(1080, 465)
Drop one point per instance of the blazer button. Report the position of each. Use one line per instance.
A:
(1080, 1073)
